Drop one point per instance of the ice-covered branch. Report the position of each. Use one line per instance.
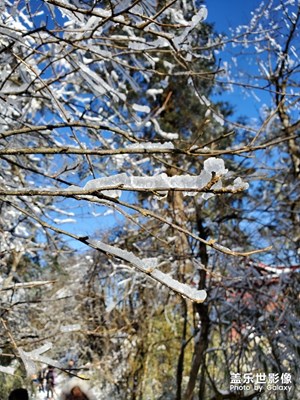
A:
(138, 148)
(30, 359)
(209, 180)
(211, 243)
(161, 182)
(149, 266)
(70, 124)
(7, 370)
(26, 285)
(141, 147)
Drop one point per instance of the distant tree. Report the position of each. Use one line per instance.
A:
(269, 46)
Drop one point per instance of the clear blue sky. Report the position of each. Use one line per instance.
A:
(229, 13)
(226, 14)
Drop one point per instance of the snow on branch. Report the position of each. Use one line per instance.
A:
(149, 267)
(7, 370)
(29, 359)
(207, 180)
(26, 285)
(35, 356)
(197, 18)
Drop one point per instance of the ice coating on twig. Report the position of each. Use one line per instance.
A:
(151, 145)
(215, 165)
(70, 328)
(42, 349)
(30, 358)
(160, 132)
(156, 182)
(191, 184)
(238, 183)
(197, 18)
(141, 108)
(143, 264)
(149, 266)
(28, 363)
(7, 370)
(198, 296)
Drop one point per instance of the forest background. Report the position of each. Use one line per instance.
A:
(150, 226)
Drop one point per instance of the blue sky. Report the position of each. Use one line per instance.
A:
(228, 14)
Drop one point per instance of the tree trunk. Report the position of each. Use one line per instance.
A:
(201, 344)
(180, 364)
